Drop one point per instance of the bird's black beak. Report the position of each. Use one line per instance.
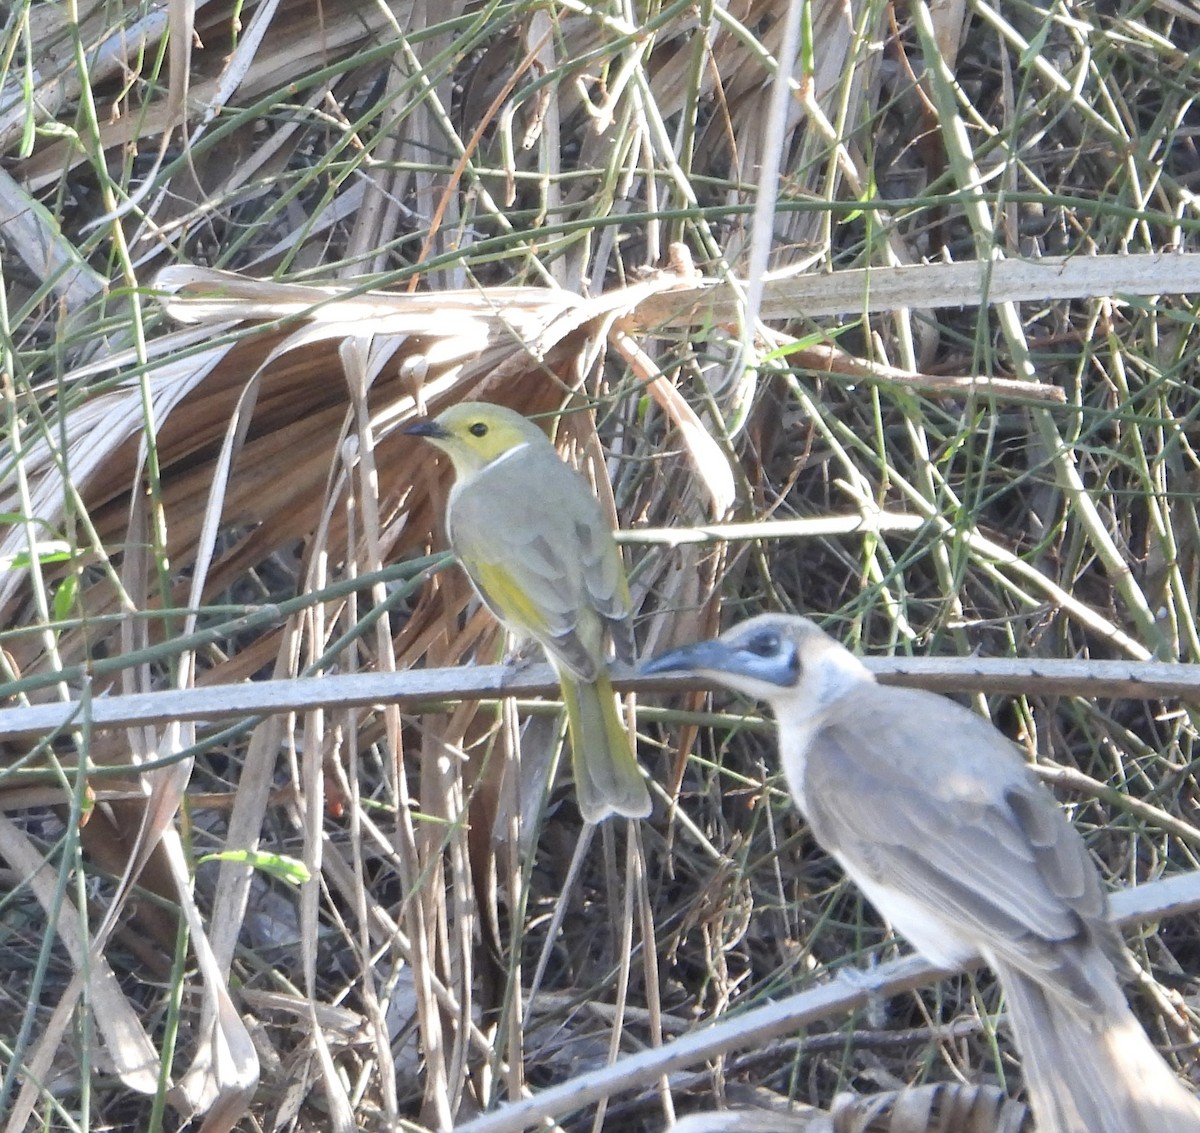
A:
(426, 427)
(732, 663)
(700, 657)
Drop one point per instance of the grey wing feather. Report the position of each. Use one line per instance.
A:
(926, 799)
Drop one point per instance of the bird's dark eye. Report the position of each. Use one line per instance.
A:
(479, 429)
(764, 643)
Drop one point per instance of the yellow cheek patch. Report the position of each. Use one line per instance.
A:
(510, 602)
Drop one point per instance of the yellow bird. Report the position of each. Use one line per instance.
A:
(540, 553)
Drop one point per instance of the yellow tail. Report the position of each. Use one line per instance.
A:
(608, 779)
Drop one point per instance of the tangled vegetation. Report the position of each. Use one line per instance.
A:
(904, 341)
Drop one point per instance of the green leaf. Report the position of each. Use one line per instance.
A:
(277, 865)
(64, 597)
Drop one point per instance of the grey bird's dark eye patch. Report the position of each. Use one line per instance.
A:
(765, 643)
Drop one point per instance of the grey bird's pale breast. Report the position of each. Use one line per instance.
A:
(941, 823)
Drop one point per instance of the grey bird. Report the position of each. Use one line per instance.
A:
(939, 821)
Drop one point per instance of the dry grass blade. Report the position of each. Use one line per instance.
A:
(125, 1040)
(790, 294)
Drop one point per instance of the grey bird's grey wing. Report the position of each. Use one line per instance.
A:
(926, 799)
(528, 520)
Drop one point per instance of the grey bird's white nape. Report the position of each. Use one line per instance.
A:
(937, 818)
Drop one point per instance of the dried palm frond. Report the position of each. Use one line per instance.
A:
(279, 434)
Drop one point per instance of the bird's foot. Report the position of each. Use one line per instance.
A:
(522, 655)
